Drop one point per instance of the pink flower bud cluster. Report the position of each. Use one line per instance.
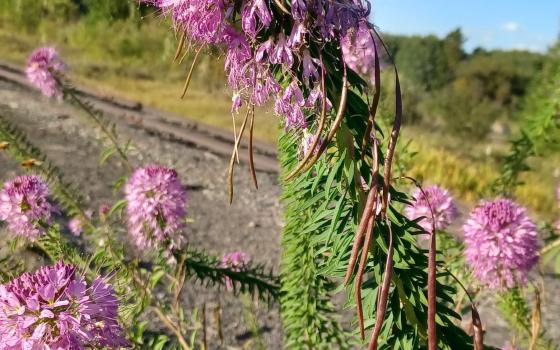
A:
(359, 49)
(501, 243)
(75, 225)
(156, 208)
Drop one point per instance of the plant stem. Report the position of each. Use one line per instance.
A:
(169, 324)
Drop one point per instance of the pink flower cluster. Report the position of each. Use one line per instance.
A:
(25, 207)
(501, 243)
(156, 207)
(442, 205)
(55, 309)
(259, 63)
(75, 225)
(42, 66)
(236, 261)
(358, 48)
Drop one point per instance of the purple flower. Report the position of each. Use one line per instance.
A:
(347, 15)
(501, 243)
(76, 223)
(282, 53)
(104, 210)
(55, 308)
(251, 11)
(441, 202)
(508, 346)
(309, 66)
(263, 85)
(236, 103)
(297, 35)
(294, 94)
(358, 50)
(299, 10)
(156, 208)
(25, 207)
(264, 50)
(236, 261)
(307, 142)
(75, 226)
(238, 55)
(260, 8)
(42, 66)
(206, 21)
(290, 106)
(315, 100)
(203, 20)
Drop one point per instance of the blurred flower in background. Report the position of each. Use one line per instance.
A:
(75, 225)
(508, 346)
(42, 66)
(441, 202)
(236, 261)
(156, 207)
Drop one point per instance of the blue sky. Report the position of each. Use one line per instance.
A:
(504, 24)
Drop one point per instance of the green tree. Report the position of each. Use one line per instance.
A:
(453, 49)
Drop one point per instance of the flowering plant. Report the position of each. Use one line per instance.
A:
(318, 63)
(99, 301)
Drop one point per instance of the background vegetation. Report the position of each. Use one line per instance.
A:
(475, 102)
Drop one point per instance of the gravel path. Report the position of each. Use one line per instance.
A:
(252, 223)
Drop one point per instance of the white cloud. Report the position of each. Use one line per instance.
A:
(510, 26)
(528, 47)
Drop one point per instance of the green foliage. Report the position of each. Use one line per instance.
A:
(517, 312)
(10, 267)
(308, 314)
(461, 93)
(323, 208)
(540, 128)
(253, 280)
(515, 163)
(28, 14)
(426, 60)
(109, 9)
(330, 227)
